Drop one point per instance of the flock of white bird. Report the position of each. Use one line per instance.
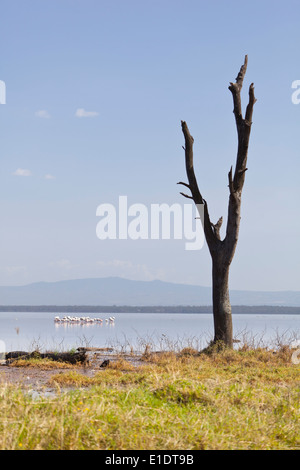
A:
(83, 320)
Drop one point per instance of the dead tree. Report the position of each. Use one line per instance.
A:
(222, 251)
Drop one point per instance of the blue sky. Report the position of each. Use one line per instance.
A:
(137, 68)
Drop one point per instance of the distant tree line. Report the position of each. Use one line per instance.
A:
(263, 309)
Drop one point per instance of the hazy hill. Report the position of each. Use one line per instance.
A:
(118, 291)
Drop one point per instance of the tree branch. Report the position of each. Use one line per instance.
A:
(210, 235)
(231, 188)
(184, 184)
(252, 101)
(240, 78)
(217, 228)
(235, 89)
(236, 183)
(243, 126)
(185, 195)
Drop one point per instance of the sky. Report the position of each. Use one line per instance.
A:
(95, 94)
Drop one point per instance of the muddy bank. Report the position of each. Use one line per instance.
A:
(33, 378)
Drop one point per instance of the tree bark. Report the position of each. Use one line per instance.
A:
(221, 303)
(222, 251)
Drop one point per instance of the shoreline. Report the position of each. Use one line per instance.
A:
(175, 309)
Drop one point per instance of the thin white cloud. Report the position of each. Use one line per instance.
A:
(62, 264)
(83, 113)
(126, 269)
(43, 114)
(49, 177)
(22, 172)
(12, 270)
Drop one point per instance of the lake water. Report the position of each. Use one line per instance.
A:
(30, 330)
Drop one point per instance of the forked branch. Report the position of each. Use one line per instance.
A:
(236, 182)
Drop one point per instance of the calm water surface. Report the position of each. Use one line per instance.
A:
(28, 330)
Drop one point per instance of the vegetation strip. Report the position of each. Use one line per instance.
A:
(245, 399)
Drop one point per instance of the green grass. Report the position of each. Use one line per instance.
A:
(230, 400)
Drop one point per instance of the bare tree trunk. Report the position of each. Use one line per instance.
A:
(222, 251)
(221, 304)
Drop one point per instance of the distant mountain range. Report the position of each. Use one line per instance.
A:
(118, 291)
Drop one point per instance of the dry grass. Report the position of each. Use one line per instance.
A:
(121, 364)
(44, 364)
(245, 399)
